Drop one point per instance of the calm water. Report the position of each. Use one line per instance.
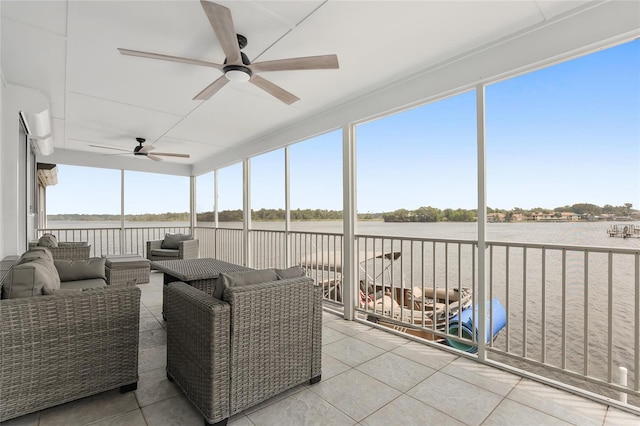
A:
(526, 291)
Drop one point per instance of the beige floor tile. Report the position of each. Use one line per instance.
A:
(276, 398)
(176, 411)
(347, 327)
(240, 420)
(425, 355)
(460, 400)
(513, 413)
(396, 371)
(153, 387)
(381, 339)
(352, 351)
(152, 358)
(152, 338)
(409, 411)
(90, 409)
(329, 335)
(332, 367)
(302, 408)
(558, 403)
(132, 418)
(484, 376)
(149, 323)
(617, 417)
(355, 394)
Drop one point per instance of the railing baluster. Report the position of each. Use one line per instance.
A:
(586, 314)
(543, 337)
(610, 318)
(563, 360)
(524, 302)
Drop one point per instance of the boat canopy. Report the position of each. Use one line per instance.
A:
(332, 260)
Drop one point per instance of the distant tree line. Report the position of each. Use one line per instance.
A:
(422, 214)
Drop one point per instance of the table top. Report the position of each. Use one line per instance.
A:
(196, 269)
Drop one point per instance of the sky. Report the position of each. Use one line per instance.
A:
(561, 135)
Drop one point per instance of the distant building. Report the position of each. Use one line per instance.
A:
(517, 217)
(569, 216)
(496, 217)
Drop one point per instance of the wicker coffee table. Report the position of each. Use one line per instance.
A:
(198, 273)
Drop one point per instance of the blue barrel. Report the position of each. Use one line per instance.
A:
(464, 322)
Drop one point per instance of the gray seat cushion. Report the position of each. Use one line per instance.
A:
(82, 284)
(292, 272)
(48, 240)
(165, 253)
(29, 279)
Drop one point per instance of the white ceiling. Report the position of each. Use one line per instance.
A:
(68, 51)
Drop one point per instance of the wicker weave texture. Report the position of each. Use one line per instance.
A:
(123, 276)
(58, 348)
(69, 250)
(188, 249)
(272, 339)
(230, 355)
(198, 348)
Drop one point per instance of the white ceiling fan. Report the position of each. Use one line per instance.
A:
(236, 66)
(144, 151)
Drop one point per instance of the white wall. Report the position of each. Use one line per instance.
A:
(13, 213)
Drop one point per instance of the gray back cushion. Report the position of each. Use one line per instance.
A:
(172, 241)
(81, 269)
(292, 272)
(33, 278)
(48, 240)
(242, 278)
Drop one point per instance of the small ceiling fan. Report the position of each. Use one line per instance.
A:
(144, 150)
(236, 66)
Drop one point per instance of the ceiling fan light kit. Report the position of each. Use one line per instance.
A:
(236, 66)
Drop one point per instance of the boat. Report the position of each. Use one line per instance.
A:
(624, 231)
(384, 296)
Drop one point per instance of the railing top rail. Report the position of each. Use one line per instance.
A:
(419, 239)
(595, 249)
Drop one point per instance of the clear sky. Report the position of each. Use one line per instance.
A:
(565, 134)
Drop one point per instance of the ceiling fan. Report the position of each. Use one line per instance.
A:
(236, 66)
(144, 150)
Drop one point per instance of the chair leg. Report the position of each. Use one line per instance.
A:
(169, 378)
(128, 388)
(315, 380)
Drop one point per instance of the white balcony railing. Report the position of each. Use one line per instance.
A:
(572, 312)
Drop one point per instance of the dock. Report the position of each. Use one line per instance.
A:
(624, 231)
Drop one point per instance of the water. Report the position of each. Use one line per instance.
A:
(538, 326)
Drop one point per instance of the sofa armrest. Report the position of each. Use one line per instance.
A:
(198, 333)
(153, 245)
(189, 249)
(67, 346)
(71, 251)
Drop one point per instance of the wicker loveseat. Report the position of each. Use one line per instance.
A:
(71, 343)
(258, 341)
(173, 246)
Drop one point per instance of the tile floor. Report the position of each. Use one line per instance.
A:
(369, 377)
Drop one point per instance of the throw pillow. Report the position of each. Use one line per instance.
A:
(172, 241)
(30, 279)
(292, 272)
(81, 269)
(48, 240)
(242, 278)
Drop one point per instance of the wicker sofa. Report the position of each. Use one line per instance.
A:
(258, 341)
(173, 246)
(76, 341)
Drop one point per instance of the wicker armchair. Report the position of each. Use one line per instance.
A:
(68, 251)
(228, 355)
(58, 348)
(188, 249)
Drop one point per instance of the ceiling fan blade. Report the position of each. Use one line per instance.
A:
(146, 149)
(171, 154)
(211, 89)
(108, 147)
(307, 63)
(222, 23)
(153, 157)
(169, 58)
(274, 90)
